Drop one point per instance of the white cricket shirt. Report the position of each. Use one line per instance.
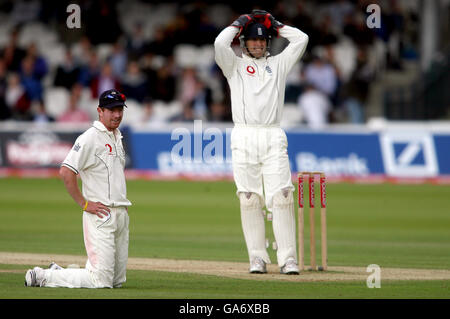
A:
(258, 85)
(98, 156)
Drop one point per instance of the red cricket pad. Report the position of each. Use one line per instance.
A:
(300, 191)
(311, 190)
(323, 194)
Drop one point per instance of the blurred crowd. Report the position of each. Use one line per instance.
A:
(330, 84)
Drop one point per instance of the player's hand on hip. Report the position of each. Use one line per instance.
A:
(98, 209)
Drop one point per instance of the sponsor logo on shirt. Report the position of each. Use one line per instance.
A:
(250, 70)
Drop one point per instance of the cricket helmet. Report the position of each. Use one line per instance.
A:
(255, 31)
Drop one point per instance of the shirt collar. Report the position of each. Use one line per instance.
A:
(263, 58)
(99, 126)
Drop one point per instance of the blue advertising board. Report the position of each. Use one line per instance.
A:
(403, 154)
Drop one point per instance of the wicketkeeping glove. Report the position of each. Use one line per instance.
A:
(242, 22)
(262, 17)
(268, 20)
(276, 25)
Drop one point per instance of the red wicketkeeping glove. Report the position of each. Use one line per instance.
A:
(262, 17)
(268, 20)
(242, 22)
(276, 25)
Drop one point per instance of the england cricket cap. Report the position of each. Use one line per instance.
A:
(256, 30)
(112, 98)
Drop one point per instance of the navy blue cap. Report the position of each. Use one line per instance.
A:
(112, 98)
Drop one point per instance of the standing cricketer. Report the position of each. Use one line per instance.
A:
(259, 146)
(98, 157)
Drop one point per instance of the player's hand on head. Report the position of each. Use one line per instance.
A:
(276, 25)
(263, 17)
(267, 19)
(98, 209)
(242, 22)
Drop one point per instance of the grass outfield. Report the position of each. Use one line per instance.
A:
(395, 226)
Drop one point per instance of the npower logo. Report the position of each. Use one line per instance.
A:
(409, 154)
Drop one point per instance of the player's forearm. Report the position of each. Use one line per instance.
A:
(70, 182)
(224, 54)
(298, 41)
(294, 35)
(225, 38)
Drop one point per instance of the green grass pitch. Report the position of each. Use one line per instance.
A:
(397, 226)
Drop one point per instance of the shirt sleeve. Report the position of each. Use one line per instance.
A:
(298, 41)
(80, 156)
(224, 54)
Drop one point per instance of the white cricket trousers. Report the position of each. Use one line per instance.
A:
(261, 167)
(106, 242)
(260, 161)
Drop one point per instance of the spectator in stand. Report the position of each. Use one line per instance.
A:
(150, 117)
(201, 102)
(136, 42)
(338, 10)
(217, 112)
(187, 86)
(355, 28)
(180, 30)
(101, 21)
(82, 51)
(12, 53)
(104, 81)
(195, 93)
(17, 99)
(25, 11)
(303, 20)
(206, 31)
(134, 83)
(5, 112)
(67, 73)
(118, 60)
(90, 71)
(165, 86)
(40, 69)
(393, 26)
(74, 114)
(160, 44)
(31, 83)
(321, 75)
(324, 35)
(356, 90)
(293, 84)
(315, 107)
(187, 115)
(146, 64)
(40, 114)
